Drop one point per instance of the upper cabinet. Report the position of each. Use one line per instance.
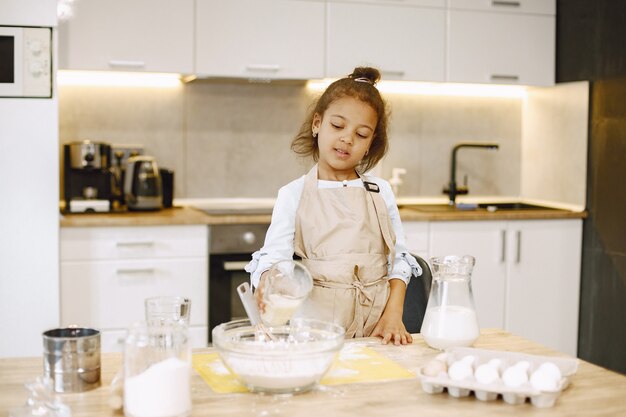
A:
(469, 41)
(264, 39)
(501, 41)
(404, 40)
(128, 35)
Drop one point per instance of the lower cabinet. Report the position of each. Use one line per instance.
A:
(527, 274)
(107, 273)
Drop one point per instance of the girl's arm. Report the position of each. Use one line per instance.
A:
(278, 243)
(390, 326)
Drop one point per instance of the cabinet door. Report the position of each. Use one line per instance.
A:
(542, 294)
(111, 294)
(403, 42)
(139, 35)
(484, 240)
(503, 48)
(416, 237)
(508, 6)
(134, 242)
(264, 39)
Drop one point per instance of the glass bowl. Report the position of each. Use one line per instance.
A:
(297, 358)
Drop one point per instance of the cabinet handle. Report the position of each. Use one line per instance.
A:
(502, 246)
(134, 244)
(234, 266)
(126, 64)
(393, 73)
(518, 250)
(263, 67)
(504, 77)
(505, 3)
(127, 271)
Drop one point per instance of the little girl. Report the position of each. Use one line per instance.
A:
(343, 223)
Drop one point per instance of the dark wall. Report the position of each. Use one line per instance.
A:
(591, 37)
(591, 45)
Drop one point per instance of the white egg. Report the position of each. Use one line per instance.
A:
(486, 374)
(494, 362)
(469, 359)
(543, 380)
(515, 376)
(434, 368)
(523, 365)
(552, 369)
(460, 370)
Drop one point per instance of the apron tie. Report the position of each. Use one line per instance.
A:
(363, 298)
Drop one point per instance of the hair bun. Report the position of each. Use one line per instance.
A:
(368, 73)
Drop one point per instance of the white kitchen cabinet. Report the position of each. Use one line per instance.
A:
(527, 273)
(543, 281)
(128, 35)
(498, 42)
(107, 273)
(484, 240)
(260, 39)
(506, 6)
(416, 238)
(402, 39)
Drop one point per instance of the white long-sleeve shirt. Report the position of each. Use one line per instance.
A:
(279, 240)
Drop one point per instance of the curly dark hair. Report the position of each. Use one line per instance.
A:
(304, 144)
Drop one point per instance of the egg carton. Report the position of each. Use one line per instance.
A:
(490, 392)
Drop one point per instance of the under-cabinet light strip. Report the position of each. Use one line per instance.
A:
(436, 89)
(118, 79)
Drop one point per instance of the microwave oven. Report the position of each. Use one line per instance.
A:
(25, 61)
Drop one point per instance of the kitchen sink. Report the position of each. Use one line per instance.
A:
(501, 206)
(514, 206)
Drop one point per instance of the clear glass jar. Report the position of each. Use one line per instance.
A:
(450, 318)
(157, 370)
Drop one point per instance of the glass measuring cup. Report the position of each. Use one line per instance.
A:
(450, 318)
(287, 285)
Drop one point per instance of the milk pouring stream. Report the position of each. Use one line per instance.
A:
(450, 318)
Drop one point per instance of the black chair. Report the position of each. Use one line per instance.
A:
(416, 298)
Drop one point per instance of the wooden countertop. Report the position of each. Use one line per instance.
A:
(428, 212)
(170, 216)
(594, 391)
(189, 215)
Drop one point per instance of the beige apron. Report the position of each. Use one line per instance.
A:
(344, 237)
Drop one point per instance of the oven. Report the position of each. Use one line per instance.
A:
(230, 249)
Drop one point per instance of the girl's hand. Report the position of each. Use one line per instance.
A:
(258, 292)
(391, 329)
(390, 326)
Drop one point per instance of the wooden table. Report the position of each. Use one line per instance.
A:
(594, 391)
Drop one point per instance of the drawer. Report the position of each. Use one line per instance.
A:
(92, 243)
(419, 3)
(547, 7)
(111, 294)
(416, 234)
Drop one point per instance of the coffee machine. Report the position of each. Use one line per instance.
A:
(87, 176)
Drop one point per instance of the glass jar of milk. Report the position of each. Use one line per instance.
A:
(450, 318)
(157, 370)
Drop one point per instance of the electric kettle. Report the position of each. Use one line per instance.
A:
(142, 184)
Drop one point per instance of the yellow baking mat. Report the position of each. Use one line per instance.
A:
(353, 364)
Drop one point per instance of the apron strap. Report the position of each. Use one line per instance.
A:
(383, 222)
(310, 183)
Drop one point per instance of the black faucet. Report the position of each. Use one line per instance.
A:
(452, 189)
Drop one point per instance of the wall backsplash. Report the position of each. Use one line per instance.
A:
(232, 139)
